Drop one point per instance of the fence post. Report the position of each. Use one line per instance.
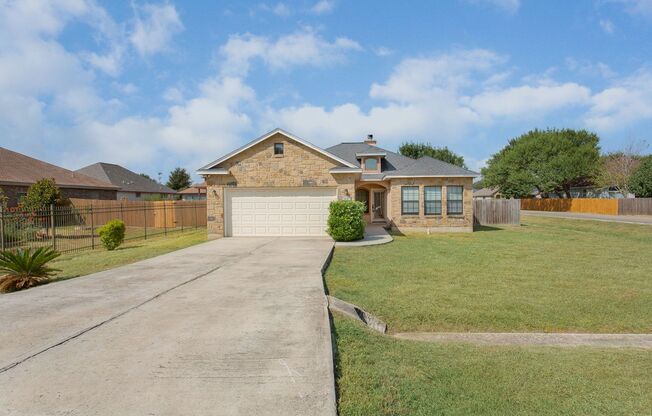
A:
(145, 215)
(183, 213)
(122, 214)
(2, 227)
(92, 227)
(165, 218)
(54, 227)
(194, 204)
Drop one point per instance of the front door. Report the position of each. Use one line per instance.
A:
(378, 206)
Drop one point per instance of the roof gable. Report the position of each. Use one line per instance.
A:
(127, 180)
(208, 169)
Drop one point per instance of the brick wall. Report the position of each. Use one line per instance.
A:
(14, 192)
(424, 222)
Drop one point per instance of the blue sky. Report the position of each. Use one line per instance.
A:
(154, 85)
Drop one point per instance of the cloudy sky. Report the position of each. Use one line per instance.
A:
(154, 85)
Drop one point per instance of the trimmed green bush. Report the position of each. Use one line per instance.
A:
(346, 220)
(112, 234)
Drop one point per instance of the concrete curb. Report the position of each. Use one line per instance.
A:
(338, 305)
(329, 335)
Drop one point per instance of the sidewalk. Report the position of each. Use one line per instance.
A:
(626, 219)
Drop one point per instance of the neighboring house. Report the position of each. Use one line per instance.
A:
(197, 192)
(133, 187)
(487, 193)
(18, 172)
(280, 184)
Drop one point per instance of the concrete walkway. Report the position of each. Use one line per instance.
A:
(229, 327)
(529, 338)
(627, 219)
(374, 234)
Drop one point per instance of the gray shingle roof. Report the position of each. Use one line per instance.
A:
(395, 164)
(127, 180)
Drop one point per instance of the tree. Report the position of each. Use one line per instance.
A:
(552, 161)
(42, 194)
(179, 179)
(641, 181)
(417, 150)
(617, 168)
(144, 175)
(4, 199)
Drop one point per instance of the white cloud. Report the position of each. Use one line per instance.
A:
(418, 78)
(301, 48)
(529, 101)
(323, 7)
(637, 7)
(154, 27)
(588, 68)
(626, 102)
(383, 51)
(607, 26)
(509, 6)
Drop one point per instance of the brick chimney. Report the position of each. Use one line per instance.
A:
(370, 140)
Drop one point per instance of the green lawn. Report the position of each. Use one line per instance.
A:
(548, 275)
(378, 375)
(86, 262)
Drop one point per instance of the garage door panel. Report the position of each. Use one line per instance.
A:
(277, 211)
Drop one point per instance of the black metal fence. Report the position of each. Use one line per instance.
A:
(75, 227)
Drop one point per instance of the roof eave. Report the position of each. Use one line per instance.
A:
(431, 176)
(267, 136)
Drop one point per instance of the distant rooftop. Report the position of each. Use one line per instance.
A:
(125, 179)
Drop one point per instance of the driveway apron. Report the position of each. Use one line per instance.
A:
(229, 327)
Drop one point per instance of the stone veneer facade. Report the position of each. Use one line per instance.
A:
(301, 166)
(258, 167)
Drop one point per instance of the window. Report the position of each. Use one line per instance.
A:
(278, 149)
(432, 200)
(362, 195)
(410, 200)
(371, 164)
(454, 200)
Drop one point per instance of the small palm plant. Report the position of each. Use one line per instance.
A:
(25, 268)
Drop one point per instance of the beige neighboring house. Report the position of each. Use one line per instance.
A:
(487, 193)
(196, 192)
(282, 185)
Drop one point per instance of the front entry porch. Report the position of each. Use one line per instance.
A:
(375, 197)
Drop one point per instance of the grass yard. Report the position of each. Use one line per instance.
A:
(378, 375)
(86, 262)
(550, 275)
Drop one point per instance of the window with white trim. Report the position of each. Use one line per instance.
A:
(454, 200)
(371, 163)
(432, 200)
(409, 200)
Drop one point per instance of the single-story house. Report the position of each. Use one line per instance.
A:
(196, 192)
(280, 184)
(18, 172)
(487, 193)
(133, 186)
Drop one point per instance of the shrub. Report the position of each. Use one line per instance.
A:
(112, 234)
(346, 220)
(640, 182)
(25, 268)
(42, 194)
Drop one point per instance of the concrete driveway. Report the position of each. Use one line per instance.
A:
(229, 327)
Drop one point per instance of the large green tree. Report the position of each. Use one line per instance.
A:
(551, 161)
(640, 182)
(416, 150)
(179, 179)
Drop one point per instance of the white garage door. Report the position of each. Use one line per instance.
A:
(277, 211)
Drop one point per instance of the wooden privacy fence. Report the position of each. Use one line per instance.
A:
(629, 206)
(497, 211)
(635, 206)
(152, 214)
(585, 205)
